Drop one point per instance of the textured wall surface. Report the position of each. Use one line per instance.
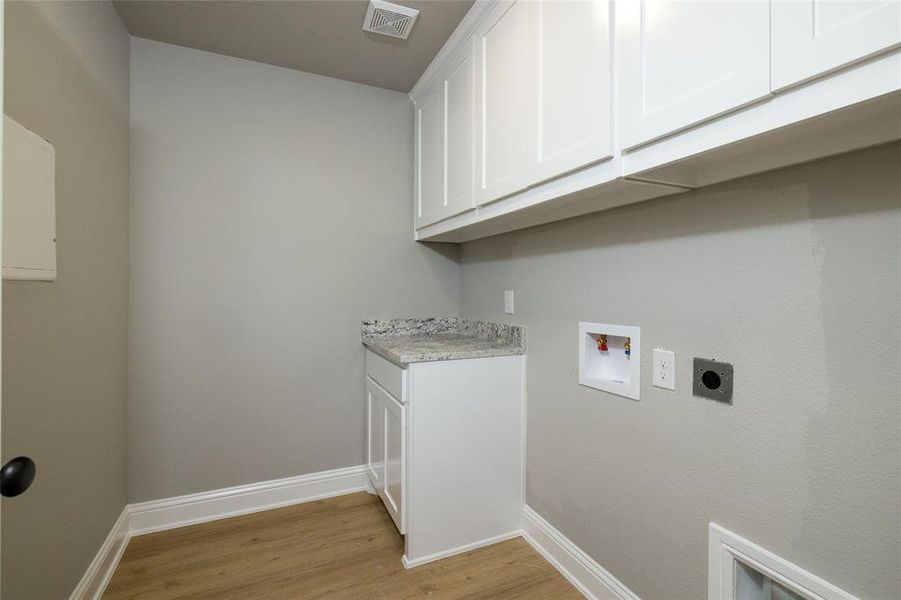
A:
(795, 278)
(64, 343)
(271, 213)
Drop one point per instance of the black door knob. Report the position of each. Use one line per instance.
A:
(16, 476)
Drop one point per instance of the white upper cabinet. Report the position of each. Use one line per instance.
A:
(430, 155)
(445, 138)
(686, 61)
(504, 129)
(461, 103)
(813, 37)
(540, 110)
(573, 85)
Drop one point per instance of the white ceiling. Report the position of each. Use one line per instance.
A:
(317, 36)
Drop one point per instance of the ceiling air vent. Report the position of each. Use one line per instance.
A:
(389, 19)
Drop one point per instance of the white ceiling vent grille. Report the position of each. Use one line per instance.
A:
(389, 19)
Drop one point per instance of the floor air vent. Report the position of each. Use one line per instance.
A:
(389, 19)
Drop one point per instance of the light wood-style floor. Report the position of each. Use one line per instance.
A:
(344, 547)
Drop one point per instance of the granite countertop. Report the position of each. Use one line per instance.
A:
(404, 341)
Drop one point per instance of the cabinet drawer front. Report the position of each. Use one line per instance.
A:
(386, 374)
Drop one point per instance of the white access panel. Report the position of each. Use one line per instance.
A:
(813, 37)
(29, 205)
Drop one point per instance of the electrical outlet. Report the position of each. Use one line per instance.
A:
(508, 302)
(664, 369)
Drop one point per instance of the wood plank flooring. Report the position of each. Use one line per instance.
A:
(345, 547)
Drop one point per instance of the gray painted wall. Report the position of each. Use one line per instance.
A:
(64, 343)
(795, 278)
(270, 214)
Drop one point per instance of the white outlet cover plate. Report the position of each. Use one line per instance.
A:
(664, 369)
(508, 302)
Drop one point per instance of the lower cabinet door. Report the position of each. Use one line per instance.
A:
(375, 435)
(395, 460)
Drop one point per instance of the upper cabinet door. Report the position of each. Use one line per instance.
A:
(812, 37)
(686, 61)
(573, 58)
(430, 153)
(504, 125)
(460, 97)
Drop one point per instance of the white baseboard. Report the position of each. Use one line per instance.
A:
(590, 578)
(104, 564)
(409, 564)
(158, 515)
(170, 513)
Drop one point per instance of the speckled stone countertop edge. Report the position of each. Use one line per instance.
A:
(500, 333)
(405, 341)
(403, 360)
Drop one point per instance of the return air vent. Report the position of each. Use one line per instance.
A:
(389, 19)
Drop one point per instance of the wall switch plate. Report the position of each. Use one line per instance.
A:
(664, 369)
(508, 302)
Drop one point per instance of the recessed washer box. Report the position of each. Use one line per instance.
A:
(611, 370)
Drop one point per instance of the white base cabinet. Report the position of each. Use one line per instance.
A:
(446, 456)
